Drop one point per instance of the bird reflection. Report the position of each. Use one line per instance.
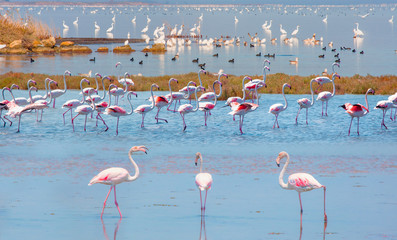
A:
(109, 35)
(96, 33)
(65, 32)
(203, 234)
(358, 42)
(301, 228)
(116, 229)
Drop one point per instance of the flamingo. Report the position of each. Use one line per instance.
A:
(235, 20)
(238, 99)
(179, 33)
(189, 90)
(133, 20)
(125, 80)
(116, 92)
(21, 101)
(393, 99)
(84, 110)
(206, 107)
(97, 27)
(117, 111)
(111, 28)
(87, 90)
(256, 84)
(41, 104)
(143, 109)
(162, 101)
(384, 105)
(357, 110)
(173, 30)
(64, 25)
(176, 96)
(203, 181)
(115, 175)
(358, 32)
(4, 106)
(213, 95)
(188, 108)
(300, 182)
(144, 30)
(326, 96)
(76, 22)
(40, 97)
(277, 108)
(70, 104)
(58, 92)
(305, 103)
(325, 20)
(96, 98)
(283, 32)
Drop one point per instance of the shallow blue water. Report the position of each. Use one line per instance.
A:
(46, 169)
(379, 56)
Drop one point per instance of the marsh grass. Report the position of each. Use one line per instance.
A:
(14, 27)
(384, 85)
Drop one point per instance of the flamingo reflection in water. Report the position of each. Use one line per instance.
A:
(116, 229)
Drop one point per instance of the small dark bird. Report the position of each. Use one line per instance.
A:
(146, 54)
(141, 62)
(348, 48)
(342, 48)
(195, 60)
(132, 59)
(337, 60)
(218, 45)
(336, 55)
(215, 55)
(259, 54)
(333, 50)
(270, 55)
(31, 60)
(231, 60)
(324, 48)
(321, 56)
(252, 45)
(202, 65)
(354, 50)
(362, 52)
(173, 59)
(92, 59)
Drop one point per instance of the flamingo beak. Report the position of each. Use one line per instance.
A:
(195, 163)
(278, 164)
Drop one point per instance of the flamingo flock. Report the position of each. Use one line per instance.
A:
(90, 102)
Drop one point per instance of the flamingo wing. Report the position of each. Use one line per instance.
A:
(110, 176)
(303, 182)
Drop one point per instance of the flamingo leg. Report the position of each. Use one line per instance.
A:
(326, 108)
(73, 120)
(37, 115)
(3, 121)
(201, 202)
(157, 114)
(143, 119)
(104, 203)
(117, 127)
(163, 119)
(115, 201)
(85, 123)
(19, 123)
(175, 105)
(277, 121)
(383, 120)
(205, 118)
(183, 119)
(41, 116)
(205, 199)
(391, 114)
(99, 116)
(96, 122)
(358, 125)
(325, 214)
(322, 108)
(64, 115)
(307, 113)
(300, 202)
(350, 127)
(53, 105)
(5, 117)
(296, 119)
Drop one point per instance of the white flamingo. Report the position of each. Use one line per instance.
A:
(277, 108)
(203, 181)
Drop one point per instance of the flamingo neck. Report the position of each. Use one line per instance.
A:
(197, 103)
(2, 93)
(280, 178)
(220, 89)
(169, 86)
(244, 88)
(64, 83)
(129, 101)
(333, 86)
(153, 100)
(285, 99)
(96, 83)
(30, 94)
(311, 90)
(46, 89)
(136, 175)
(366, 100)
(264, 75)
(82, 92)
(201, 83)
(201, 164)
(104, 90)
(30, 80)
(49, 87)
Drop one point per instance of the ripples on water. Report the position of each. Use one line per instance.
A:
(379, 57)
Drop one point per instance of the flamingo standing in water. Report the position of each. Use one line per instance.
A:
(100, 107)
(176, 96)
(143, 109)
(58, 92)
(125, 80)
(188, 108)
(357, 110)
(212, 95)
(300, 182)
(21, 101)
(384, 105)
(206, 107)
(41, 104)
(393, 99)
(84, 110)
(189, 90)
(277, 108)
(256, 84)
(88, 90)
(162, 101)
(238, 99)
(117, 111)
(73, 103)
(305, 103)
(203, 181)
(96, 98)
(115, 175)
(325, 96)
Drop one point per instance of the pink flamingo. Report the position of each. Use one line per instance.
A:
(58, 92)
(300, 182)
(250, 86)
(117, 111)
(189, 90)
(96, 98)
(238, 99)
(162, 101)
(357, 110)
(212, 95)
(73, 103)
(41, 97)
(84, 110)
(277, 108)
(206, 107)
(88, 90)
(3, 106)
(188, 108)
(241, 109)
(176, 96)
(393, 99)
(384, 105)
(203, 181)
(325, 96)
(117, 92)
(41, 104)
(143, 109)
(305, 103)
(21, 101)
(124, 81)
(115, 175)
(100, 107)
